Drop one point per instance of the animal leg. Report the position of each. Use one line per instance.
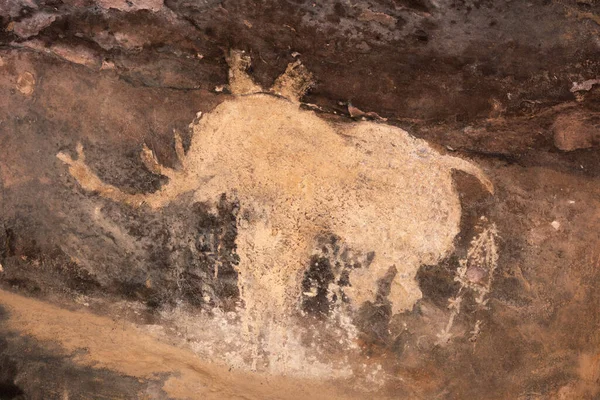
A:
(269, 279)
(404, 292)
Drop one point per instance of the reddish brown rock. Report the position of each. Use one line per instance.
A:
(125, 5)
(576, 130)
(31, 26)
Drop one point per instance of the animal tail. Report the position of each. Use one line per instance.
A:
(472, 169)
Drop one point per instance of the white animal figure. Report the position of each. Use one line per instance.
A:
(296, 176)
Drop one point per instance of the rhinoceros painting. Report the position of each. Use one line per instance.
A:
(297, 175)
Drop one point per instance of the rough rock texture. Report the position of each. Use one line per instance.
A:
(576, 130)
(508, 85)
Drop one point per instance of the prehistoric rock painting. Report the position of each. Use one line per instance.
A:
(297, 176)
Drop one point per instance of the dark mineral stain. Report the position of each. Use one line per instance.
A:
(437, 282)
(8, 370)
(332, 264)
(418, 5)
(319, 275)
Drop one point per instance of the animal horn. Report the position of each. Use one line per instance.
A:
(472, 169)
(240, 82)
(294, 82)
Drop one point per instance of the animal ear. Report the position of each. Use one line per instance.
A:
(294, 82)
(240, 82)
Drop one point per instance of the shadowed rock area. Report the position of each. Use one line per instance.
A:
(104, 299)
